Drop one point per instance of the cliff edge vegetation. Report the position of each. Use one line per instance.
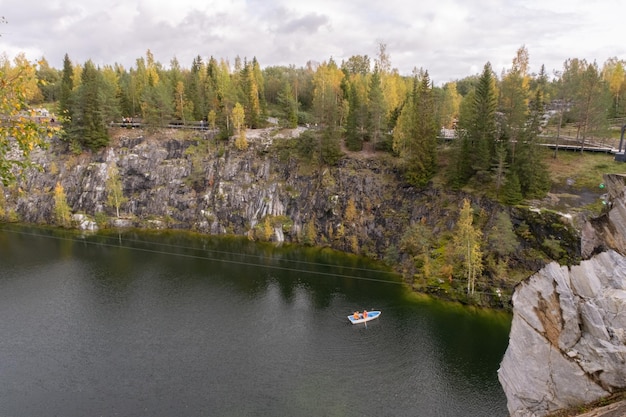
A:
(449, 185)
(279, 189)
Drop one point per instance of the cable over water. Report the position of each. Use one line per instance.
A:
(217, 259)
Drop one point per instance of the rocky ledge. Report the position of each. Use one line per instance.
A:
(567, 344)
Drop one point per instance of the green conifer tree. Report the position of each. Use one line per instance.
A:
(532, 172)
(512, 190)
(65, 95)
(88, 125)
(377, 110)
(288, 105)
(479, 130)
(415, 135)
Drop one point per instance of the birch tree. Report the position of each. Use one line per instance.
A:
(614, 74)
(327, 94)
(18, 130)
(115, 191)
(449, 107)
(62, 211)
(238, 116)
(467, 242)
(183, 107)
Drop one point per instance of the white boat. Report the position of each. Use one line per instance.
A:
(371, 315)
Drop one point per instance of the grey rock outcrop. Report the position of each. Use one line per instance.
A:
(271, 191)
(608, 231)
(567, 343)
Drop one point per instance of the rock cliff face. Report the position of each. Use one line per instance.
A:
(609, 230)
(567, 344)
(230, 192)
(359, 206)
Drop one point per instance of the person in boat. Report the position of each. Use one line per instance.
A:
(356, 315)
(364, 314)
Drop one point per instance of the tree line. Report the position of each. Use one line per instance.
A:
(360, 102)
(356, 104)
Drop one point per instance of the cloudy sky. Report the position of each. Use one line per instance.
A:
(449, 38)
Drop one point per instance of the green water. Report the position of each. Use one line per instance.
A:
(163, 324)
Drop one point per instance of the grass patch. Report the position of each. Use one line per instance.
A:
(581, 171)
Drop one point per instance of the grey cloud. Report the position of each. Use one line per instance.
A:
(309, 24)
(279, 33)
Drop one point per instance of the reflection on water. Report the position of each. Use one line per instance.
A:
(177, 324)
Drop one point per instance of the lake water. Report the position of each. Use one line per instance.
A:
(140, 324)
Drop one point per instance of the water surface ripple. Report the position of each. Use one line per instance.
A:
(159, 326)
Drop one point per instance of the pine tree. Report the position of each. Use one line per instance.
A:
(377, 111)
(330, 149)
(426, 158)
(110, 94)
(88, 124)
(214, 96)
(328, 109)
(460, 168)
(65, 95)
(512, 190)
(354, 141)
(483, 130)
(479, 132)
(251, 101)
(126, 98)
(501, 238)
(260, 86)
(195, 90)
(532, 172)
(415, 136)
(288, 105)
(157, 105)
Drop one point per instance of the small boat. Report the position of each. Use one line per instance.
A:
(371, 315)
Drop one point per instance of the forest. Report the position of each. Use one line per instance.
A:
(358, 104)
(362, 105)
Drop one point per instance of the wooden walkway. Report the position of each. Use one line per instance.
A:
(579, 147)
(138, 125)
(565, 143)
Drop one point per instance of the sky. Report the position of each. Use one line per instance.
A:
(451, 39)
